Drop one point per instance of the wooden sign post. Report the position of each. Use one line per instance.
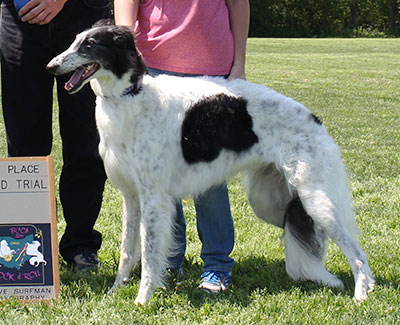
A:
(29, 268)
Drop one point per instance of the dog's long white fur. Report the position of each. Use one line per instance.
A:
(140, 139)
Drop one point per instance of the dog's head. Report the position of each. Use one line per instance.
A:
(104, 51)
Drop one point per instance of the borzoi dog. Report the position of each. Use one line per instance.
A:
(167, 137)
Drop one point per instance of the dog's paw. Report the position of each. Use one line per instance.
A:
(139, 302)
(360, 296)
(364, 285)
(334, 282)
(144, 294)
(142, 298)
(118, 284)
(112, 290)
(371, 285)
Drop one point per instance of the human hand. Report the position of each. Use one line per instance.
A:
(41, 11)
(237, 72)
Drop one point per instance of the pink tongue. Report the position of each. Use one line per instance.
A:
(74, 80)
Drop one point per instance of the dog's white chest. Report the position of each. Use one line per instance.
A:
(136, 147)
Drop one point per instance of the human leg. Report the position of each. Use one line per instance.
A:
(216, 232)
(215, 228)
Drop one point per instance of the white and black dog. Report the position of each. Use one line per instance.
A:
(167, 137)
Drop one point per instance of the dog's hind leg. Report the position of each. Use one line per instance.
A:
(130, 243)
(156, 242)
(335, 219)
(305, 244)
(305, 247)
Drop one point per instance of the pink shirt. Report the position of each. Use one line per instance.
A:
(187, 36)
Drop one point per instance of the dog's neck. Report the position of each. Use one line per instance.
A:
(133, 89)
(108, 86)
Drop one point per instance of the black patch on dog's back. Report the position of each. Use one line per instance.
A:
(216, 123)
(316, 119)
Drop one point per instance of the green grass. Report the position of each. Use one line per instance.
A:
(353, 86)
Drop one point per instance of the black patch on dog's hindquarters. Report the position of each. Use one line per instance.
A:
(301, 226)
(216, 123)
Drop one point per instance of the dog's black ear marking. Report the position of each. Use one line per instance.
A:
(116, 51)
(126, 44)
(127, 57)
(301, 226)
(316, 119)
(216, 123)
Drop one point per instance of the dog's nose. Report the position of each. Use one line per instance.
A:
(52, 68)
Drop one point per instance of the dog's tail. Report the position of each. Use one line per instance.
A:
(305, 246)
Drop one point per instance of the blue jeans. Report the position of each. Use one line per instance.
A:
(214, 223)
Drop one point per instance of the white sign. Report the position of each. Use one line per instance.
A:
(29, 268)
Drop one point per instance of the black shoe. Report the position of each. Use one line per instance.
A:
(85, 261)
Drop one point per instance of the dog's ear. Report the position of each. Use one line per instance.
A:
(122, 37)
(104, 22)
(119, 40)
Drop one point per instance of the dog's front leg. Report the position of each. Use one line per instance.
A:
(156, 241)
(130, 244)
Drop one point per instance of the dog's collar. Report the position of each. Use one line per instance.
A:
(132, 90)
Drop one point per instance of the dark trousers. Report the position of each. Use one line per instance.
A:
(27, 98)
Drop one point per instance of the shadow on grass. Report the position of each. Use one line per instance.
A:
(80, 283)
(250, 276)
(262, 277)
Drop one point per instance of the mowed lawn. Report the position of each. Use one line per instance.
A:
(353, 86)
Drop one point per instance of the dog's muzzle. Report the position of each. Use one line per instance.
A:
(53, 66)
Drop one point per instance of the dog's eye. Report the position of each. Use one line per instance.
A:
(88, 43)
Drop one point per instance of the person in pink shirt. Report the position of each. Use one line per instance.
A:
(192, 38)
